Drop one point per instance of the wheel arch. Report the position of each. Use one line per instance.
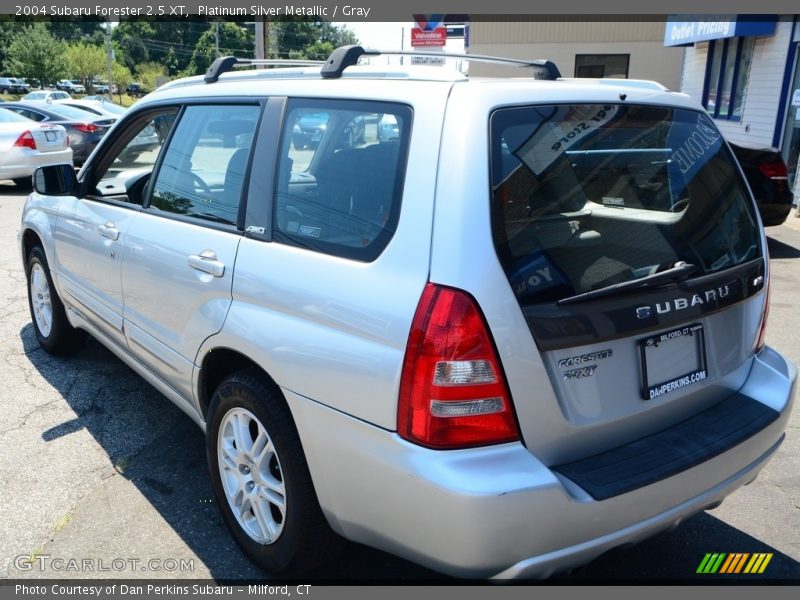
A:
(30, 239)
(217, 364)
(37, 229)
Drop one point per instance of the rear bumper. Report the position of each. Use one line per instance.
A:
(775, 214)
(498, 511)
(18, 164)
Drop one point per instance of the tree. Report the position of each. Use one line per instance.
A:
(307, 38)
(121, 77)
(35, 54)
(157, 40)
(233, 41)
(86, 62)
(151, 75)
(130, 37)
(9, 30)
(87, 30)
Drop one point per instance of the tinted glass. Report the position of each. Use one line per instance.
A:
(204, 165)
(587, 196)
(340, 176)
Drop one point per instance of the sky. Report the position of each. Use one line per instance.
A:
(381, 35)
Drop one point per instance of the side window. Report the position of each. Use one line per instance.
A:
(34, 116)
(340, 176)
(124, 173)
(204, 166)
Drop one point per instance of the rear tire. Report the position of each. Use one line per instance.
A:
(261, 478)
(49, 318)
(24, 183)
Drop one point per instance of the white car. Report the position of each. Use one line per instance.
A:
(47, 95)
(26, 145)
(71, 86)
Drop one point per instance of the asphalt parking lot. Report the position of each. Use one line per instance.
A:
(97, 466)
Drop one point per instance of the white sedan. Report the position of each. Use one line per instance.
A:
(26, 145)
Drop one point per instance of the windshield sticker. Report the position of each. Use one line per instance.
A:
(567, 126)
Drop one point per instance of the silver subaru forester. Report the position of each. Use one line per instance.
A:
(496, 327)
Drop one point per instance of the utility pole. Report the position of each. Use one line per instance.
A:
(216, 38)
(109, 58)
(262, 37)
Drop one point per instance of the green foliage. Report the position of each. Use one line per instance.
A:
(151, 75)
(86, 63)
(86, 30)
(307, 38)
(9, 30)
(36, 55)
(179, 48)
(130, 37)
(168, 43)
(120, 76)
(234, 40)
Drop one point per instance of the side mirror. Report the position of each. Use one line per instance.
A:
(55, 180)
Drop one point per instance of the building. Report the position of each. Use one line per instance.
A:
(626, 49)
(747, 75)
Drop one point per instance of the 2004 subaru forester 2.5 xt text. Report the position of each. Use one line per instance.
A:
(521, 326)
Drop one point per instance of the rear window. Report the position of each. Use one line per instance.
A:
(6, 116)
(588, 196)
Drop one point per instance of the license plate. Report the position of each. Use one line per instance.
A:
(672, 360)
(50, 136)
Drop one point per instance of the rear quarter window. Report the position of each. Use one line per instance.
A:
(340, 176)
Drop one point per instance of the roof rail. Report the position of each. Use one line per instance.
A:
(347, 56)
(223, 64)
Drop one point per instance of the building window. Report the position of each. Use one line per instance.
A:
(727, 71)
(602, 65)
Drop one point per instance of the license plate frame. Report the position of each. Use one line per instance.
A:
(50, 136)
(684, 348)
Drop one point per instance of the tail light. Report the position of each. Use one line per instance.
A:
(86, 127)
(26, 141)
(452, 390)
(774, 170)
(778, 173)
(762, 327)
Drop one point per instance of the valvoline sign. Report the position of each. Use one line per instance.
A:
(433, 37)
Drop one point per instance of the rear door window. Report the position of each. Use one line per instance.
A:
(588, 196)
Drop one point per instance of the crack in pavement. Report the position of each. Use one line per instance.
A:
(780, 487)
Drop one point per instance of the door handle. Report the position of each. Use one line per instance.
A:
(109, 230)
(207, 262)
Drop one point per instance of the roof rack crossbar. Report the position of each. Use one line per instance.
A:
(347, 56)
(223, 64)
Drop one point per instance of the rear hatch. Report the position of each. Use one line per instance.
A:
(631, 244)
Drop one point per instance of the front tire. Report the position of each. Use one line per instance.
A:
(261, 479)
(49, 318)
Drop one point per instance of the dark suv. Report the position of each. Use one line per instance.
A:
(768, 177)
(136, 90)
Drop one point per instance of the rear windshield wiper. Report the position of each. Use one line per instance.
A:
(678, 272)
